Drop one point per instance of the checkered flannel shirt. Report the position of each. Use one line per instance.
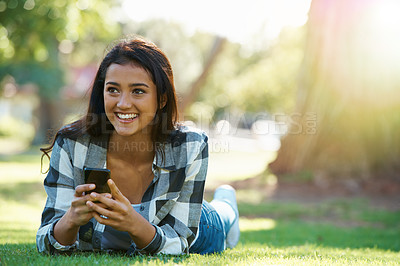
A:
(172, 203)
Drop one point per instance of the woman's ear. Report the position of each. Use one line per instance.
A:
(163, 101)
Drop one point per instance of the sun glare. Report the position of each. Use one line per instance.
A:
(385, 21)
(257, 224)
(239, 21)
(384, 40)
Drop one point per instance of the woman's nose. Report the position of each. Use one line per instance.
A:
(124, 102)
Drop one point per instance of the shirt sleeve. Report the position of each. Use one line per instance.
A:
(59, 186)
(176, 232)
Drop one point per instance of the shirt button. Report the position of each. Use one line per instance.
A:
(141, 208)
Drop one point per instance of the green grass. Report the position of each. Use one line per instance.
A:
(330, 232)
(354, 211)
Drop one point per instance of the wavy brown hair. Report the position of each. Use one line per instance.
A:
(147, 55)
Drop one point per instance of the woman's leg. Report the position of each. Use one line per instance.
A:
(211, 235)
(219, 223)
(225, 204)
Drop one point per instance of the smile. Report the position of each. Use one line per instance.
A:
(126, 116)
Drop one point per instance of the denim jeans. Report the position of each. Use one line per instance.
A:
(212, 233)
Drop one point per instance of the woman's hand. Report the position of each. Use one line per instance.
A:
(79, 212)
(118, 210)
(66, 229)
(118, 213)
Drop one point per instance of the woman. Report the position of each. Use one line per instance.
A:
(158, 169)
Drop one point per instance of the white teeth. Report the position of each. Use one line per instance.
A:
(126, 116)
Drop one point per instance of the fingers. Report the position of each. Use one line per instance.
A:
(80, 201)
(116, 193)
(104, 200)
(103, 220)
(83, 188)
(98, 209)
(95, 198)
(105, 205)
(79, 212)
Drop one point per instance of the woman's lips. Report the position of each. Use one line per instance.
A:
(126, 117)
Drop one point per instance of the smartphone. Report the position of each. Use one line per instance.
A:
(99, 177)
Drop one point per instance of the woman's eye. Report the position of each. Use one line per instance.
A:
(138, 91)
(112, 89)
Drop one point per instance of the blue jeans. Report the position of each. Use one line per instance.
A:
(212, 233)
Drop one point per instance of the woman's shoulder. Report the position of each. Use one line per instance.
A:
(186, 134)
(185, 145)
(66, 136)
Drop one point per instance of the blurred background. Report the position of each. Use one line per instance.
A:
(299, 97)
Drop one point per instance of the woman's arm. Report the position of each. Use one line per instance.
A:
(65, 210)
(66, 229)
(59, 186)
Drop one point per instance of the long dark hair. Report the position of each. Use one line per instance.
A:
(140, 52)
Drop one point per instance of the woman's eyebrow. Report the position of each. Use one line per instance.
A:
(138, 85)
(130, 85)
(112, 83)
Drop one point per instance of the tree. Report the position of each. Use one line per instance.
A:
(347, 117)
(194, 90)
(268, 82)
(37, 41)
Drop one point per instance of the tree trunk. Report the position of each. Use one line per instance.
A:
(190, 97)
(348, 102)
(49, 115)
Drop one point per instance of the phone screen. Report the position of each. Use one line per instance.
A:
(98, 177)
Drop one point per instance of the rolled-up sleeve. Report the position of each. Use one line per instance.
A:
(59, 186)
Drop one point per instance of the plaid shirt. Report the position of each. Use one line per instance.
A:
(172, 203)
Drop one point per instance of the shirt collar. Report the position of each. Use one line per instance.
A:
(97, 153)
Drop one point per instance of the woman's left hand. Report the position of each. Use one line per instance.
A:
(118, 213)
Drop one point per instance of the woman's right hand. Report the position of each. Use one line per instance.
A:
(79, 213)
(66, 229)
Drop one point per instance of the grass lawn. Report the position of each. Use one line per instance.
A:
(334, 232)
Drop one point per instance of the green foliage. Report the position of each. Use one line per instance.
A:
(35, 35)
(260, 81)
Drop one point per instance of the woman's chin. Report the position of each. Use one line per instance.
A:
(125, 132)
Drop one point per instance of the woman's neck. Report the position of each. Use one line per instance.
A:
(140, 147)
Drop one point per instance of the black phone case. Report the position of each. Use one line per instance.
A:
(99, 177)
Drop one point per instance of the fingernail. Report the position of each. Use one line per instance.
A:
(89, 203)
(93, 194)
(92, 186)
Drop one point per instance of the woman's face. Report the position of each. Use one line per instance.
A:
(130, 99)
